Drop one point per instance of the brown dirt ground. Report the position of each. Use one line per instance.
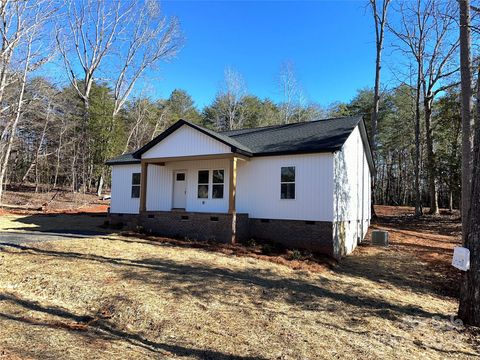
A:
(117, 296)
(54, 201)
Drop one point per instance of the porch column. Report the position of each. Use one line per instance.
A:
(232, 188)
(143, 186)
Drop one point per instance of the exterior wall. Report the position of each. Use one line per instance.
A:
(160, 186)
(186, 141)
(122, 201)
(351, 194)
(258, 187)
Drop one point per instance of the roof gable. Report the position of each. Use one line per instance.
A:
(186, 141)
(233, 145)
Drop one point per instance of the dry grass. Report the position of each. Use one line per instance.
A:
(124, 297)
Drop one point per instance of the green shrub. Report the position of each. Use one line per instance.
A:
(296, 255)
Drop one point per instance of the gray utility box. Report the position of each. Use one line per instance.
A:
(379, 238)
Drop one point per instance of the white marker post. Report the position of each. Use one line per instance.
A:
(461, 258)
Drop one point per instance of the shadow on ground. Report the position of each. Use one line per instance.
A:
(103, 328)
(61, 224)
(202, 281)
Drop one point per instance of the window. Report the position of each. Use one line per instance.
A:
(180, 176)
(203, 176)
(135, 185)
(287, 182)
(218, 179)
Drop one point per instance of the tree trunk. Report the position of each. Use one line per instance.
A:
(431, 168)
(84, 144)
(6, 157)
(100, 185)
(467, 119)
(469, 308)
(418, 200)
(380, 22)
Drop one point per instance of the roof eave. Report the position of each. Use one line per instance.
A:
(367, 146)
(120, 162)
(296, 152)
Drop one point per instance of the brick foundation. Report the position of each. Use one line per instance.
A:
(312, 235)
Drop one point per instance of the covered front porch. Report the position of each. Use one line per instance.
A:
(202, 183)
(190, 196)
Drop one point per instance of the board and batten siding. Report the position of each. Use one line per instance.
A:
(160, 186)
(186, 141)
(258, 187)
(351, 192)
(121, 200)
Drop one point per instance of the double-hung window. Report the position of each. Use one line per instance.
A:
(218, 179)
(287, 182)
(135, 185)
(203, 182)
(216, 182)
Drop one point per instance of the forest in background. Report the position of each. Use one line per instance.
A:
(61, 135)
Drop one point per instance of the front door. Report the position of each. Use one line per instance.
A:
(179, 190)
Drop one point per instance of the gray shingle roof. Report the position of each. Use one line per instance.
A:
(315, 136)
(327, 135)
(123, 159)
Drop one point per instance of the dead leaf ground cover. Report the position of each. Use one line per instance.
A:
(115, 296)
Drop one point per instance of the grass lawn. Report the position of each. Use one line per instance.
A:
(121, 297)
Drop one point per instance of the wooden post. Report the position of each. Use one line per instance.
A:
(232, 188)
(143, 186)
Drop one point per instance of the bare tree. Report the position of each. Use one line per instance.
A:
(153, 38)
(380, 20)
(146, 119)
(426, 32)
(23, 50)
(230, 111)
(469, 308)
(291, 92)
(133, 31)
(85, 36)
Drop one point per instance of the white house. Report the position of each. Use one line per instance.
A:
(306, 185)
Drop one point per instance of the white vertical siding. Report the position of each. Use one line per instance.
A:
(258, 187)
(159, 188)
(352, 192)
(122, 201)
(186, 141)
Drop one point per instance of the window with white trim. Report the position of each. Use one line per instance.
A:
(135, 185)
(287, 182)
(218, 180)
(203, 182)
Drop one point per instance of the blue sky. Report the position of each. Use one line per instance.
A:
(331, 44)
